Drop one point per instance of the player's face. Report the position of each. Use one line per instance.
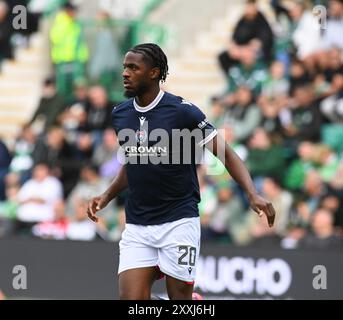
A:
(136, 75)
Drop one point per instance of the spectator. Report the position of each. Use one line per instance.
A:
(55, 228)
(38, 195)
(313, 192)
(250, 73)
(5, 33)
(58, 153)
(106, 61)
(336, 189)
(294, 178)
(265, 158)
(105, 155)
(80, 227)
(334, 27)
(68, 50)
(74, 116)
(252, 36)
(306, 34)
(306, 117)
(22, 160)
(224, 222)
(299, 75)
(322, 234)
(89, 186)
(5, 160)
(243, 116)
(8, 210)
(98, 110)
(50, 107)
(276, 84)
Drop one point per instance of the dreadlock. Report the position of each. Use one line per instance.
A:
(155, 55)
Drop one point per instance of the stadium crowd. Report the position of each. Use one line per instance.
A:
(282, 112)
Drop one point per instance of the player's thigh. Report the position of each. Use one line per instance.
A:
(137, 263)
(179, 289)
(179, 252)
(135, 284)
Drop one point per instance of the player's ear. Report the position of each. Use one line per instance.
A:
(154, 73)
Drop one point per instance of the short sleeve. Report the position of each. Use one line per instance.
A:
(192, 118)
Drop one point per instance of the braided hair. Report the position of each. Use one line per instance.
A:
(154, 54)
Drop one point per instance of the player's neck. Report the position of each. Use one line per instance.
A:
(148, 97)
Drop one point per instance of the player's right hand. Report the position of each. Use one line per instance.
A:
(94, 205)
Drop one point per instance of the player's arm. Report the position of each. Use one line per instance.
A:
(240, 174)
(97, 203)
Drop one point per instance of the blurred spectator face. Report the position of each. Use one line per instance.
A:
(243, 96)
(3, 10)
(217, 109)
(102, 15)
(303, 96)
(277, 70)
(269, 110)
(71, 12)
(270, 188)
(313, 183)
(55, 138)
(40, 172)
(85, 142)
(306, 150)
(330, 203)
(224, 194)
(28, 134)
(88, 174)
(336, 8)
(334, 58)
(322, 223)
(12, 179)
(337, 82)
(297, 69)
(81, 92)
(295, 9)
(251, 10)
(98, 97)
(260, 139)
(110, 139)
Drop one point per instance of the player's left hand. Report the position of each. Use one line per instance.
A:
(260, 206)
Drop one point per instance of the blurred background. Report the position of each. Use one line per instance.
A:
(268, 73)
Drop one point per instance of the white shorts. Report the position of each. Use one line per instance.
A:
(173, 247)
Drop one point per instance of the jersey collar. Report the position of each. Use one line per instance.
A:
(151, 105)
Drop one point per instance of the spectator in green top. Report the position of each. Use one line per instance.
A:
(69, 52)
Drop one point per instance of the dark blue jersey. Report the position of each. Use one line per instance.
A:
(159, 143)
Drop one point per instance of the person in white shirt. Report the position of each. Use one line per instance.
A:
(38, 195)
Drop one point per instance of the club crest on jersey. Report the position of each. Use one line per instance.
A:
(141, 136)
(142, 120)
